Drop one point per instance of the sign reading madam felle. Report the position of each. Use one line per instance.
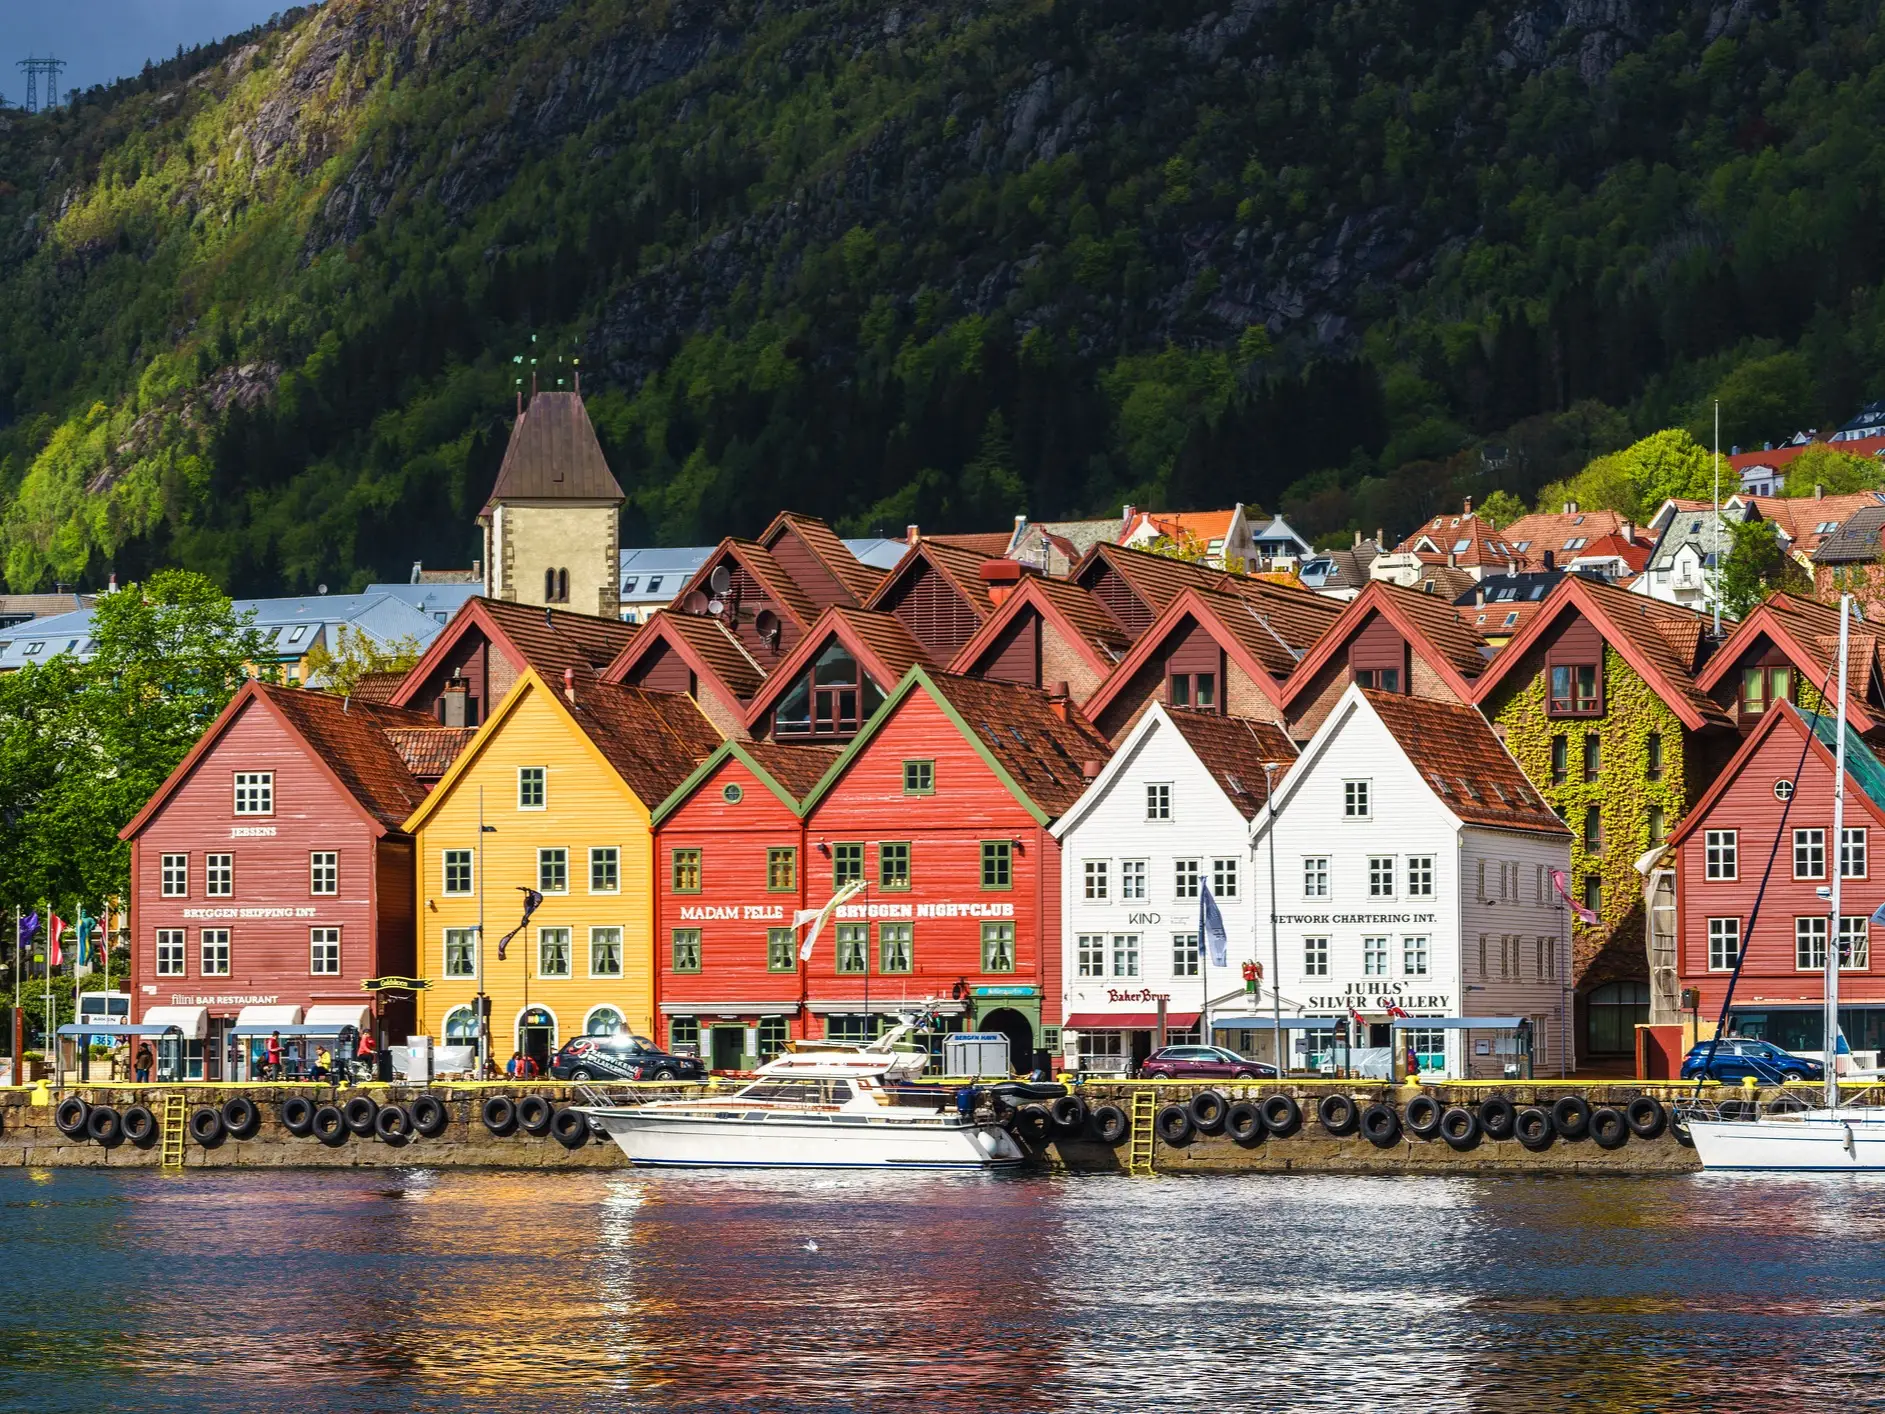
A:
(1375, 996)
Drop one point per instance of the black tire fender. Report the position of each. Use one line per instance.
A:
(393, 1124)
(1206, 1111)
(1033, 1123)
(1243, 1121)
(104, 1126)
(429, 1116)
(207, 1127)
(140, 1126)
(1068, 1113)
(360, 1111)
(1111, 1125)
(1174, 1125)
(570, 1128)
(1646, 1117)
(71, 1116)
(1533, 1128)
(1570, 1116)
(329, 1126)
(1608, 1128)
(297, 1116)
(534, 1114)
(1422, 1115)
(1282, 1116)
(1381, 1125)
(240, 1117)
(1339, 1114)
(1460, 1128)
(499, 1113)
(1496, 1116)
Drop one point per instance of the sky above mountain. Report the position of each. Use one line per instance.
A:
(102, 40)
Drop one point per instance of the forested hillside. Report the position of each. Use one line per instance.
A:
(930, 260)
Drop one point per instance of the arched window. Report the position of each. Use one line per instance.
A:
(549, 586)
(556, 586)
(1614, 1010)
(562, 586)
(461, 1027)
(603, 1021)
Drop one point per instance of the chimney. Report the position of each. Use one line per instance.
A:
(1058, 688)
(1452, 560)
(1469, 507)
(1628, 529)
(1090, 769)
(1058, 706)
(1001, 577)
(1380, 539)
(454, 703)
(1126, 514)
(111, 585)
(912, 534)
(1819, 493)
(418, 570)
(477, 571)
(569, 685)
(1358, 540)
(1551, 559)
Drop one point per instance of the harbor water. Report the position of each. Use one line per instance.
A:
(485, 1290)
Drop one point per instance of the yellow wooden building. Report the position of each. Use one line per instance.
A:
(553, 795)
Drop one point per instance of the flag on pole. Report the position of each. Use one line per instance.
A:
(1562, 883)
(1211, 928)
(531, 899)
(1396, 1011)
(817, 917)
(29, 929)
(55, 930)
(87, 925)
(1878, 914)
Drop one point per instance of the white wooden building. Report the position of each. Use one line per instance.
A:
(1168, 815)
(1412, 862)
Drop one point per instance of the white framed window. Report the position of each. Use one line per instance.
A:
(323, 872)
(1374, 957)
(1414, 956)
(170, 952)
(1098, 883)
(1185, 876)
(1357, 800)
(255, 792)
(553, 952)
(1809, 854)
(1420, 876)
(553, 870)
(1724, 943)
(1380, 876)
(1315, 957)
(605, 870)
(1090, 954)
(324, 952)
(1185, 958)
(1852, 852)
(1547, 958)
(1809, 943)
(1855, 947)
(174, 876)
(1125, 954)
(1719, 848)
(533, 787)
(1132, 881)
(456, 868)
(215, 951)
(605, 952)
(461, 952)
(219, 875)
(1224, 878)
(1315, 876)
(1158, 801)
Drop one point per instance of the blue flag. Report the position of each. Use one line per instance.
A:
(29, 928)
(1211, 926)
(1878, 914)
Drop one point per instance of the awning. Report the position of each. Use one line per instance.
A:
(1268, 1023)
(1458, 1023)
(75, 1028)
(192, 1021)
(331, 1017)
(268, 1016)
(1129, 1020)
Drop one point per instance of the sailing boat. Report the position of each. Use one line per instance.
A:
(1836, 1138)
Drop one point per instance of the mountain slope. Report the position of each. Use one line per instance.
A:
(932, 261)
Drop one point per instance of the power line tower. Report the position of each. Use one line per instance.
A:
(35, 68)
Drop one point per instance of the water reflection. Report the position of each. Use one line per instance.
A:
(462, 1290)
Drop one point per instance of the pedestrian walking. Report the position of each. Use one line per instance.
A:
(144, 1059)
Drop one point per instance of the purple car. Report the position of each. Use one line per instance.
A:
(1203, 1063)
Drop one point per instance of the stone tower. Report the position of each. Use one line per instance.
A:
(550, 527)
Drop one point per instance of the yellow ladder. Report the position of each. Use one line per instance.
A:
(175, 1113)
(1139, 1155)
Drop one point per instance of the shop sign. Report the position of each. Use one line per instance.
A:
(741, 912)
(251, 912)
(1005, 991)
(1325, 920)
(251, 832)
(1114, 995)
(897, 911)
(222, 999)
(1375, 996)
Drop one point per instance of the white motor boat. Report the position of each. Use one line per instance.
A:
(1850, 1139)
(821, 1105)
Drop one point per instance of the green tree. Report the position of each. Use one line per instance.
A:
(1763, 400)
(1501, 508)
(1638, 479)
(1833, 471)
(355, 654)
(1755, 567)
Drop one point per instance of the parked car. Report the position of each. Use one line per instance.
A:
(621, 1055)
(1737, 1057)
(1203, 1063)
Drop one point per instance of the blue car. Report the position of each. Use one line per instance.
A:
(1737, 1058)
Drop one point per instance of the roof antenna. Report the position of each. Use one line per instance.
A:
(549, 617)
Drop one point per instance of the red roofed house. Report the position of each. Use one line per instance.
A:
(697, 655)
(1546, 541)
(1044, 631)
(1221, 537)
(827, 687)
(1464, 541)
(938, 593)
(1787, 650)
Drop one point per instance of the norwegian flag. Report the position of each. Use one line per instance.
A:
(1393, 1010)
(1357, 1017)
(56, 954)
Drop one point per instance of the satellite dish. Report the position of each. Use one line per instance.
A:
(694, 603)
(720, 579)
(716, 607)
(767, 623)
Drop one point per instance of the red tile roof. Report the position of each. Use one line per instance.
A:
(1454, 748)
(1156, 579)
(880, 643)
(796, 768)
(1277, 624)
(429, 751)
(654, 740)
(1534, 534)
(1201, 526)
(1808, 632)
(1463, 539)
(706, 640)
(1023, 729)
(1778, 457)
(353, 739)
(1233, 750)
(377, 687)
(989, 545)
(1800, 517)
(856, 576)
(548, 640)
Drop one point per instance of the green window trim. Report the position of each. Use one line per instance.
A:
(685, 944)
(851, 949)
(894, 865)
(782, 954)
(919, 777)
(782, 870)
(896, 948)
(998, 947)
(684, 870)
(997, 865)
(847, 862)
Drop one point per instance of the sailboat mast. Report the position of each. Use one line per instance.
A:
(1838, 856)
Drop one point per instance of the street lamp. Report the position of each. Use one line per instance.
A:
(482, 1028)
(1276, 960)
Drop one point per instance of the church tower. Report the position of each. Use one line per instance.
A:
(551, 525)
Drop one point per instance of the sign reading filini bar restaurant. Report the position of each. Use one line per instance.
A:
(895, 911)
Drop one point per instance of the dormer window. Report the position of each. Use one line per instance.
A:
(830, 699)
(1576, 690)
(1197, 690)
(1380, 679)
(1762, 688)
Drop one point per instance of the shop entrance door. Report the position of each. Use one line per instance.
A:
(729, 1048)
(1020, 1033)
(536, 1037)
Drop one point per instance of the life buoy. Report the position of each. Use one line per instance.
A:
(1533, 1128)
(1069, 1114)
(1496, 1115)
(1570, 1116)
(1460, 1127)
(429, 1116)
(104, 1126)
(1243, 1121)
(297, 1116)
(1339, 1114)
(1423, 1116)
(1608, 1128)
(71, 1116)
(570, 1128)
(360, 1111)
(1381, 1125)
(329, 1126)
(1207, 1111)
(207, 1127)
(1646, 1117)
(1282, 1116)
(393, 1124)
(534, 1114)
(499, 1113)
(1033, 1123)
(240, 1117)
(140, 1126)
(1111, 1125)
(1173, 1125)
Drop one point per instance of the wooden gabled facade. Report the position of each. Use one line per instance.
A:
(479, 656)
(1044, 631)
(825, 689)
(1787, 650)
(693, 654)
(938, 593)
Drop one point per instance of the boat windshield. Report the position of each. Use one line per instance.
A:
(800, 1090)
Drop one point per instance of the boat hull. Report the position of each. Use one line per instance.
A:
(658, 1138)
(1815, 1142)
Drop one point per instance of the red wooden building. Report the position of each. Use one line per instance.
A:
(269, 873)
(1774, 802)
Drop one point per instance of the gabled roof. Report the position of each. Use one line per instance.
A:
(1808, 633)
(789, 772)
(989, 544)
(859, 579)
(1018, 732)
(548, 640)
(347, 739)
(1818, 734)
(1462, 539)
(1455, 750)
(1530, 536)
(704, 644)
(429, 751)
(1156, 579)
(881, 644)
(1800, 518)
(554, 455)
(757, 560)
(1662, 642)
(1856, 541)
(1202, 526)
(1778, 457)
(960, 566)
(1428, 622)
(1081, 619)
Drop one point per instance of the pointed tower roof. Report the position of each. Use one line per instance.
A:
(554, 455)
